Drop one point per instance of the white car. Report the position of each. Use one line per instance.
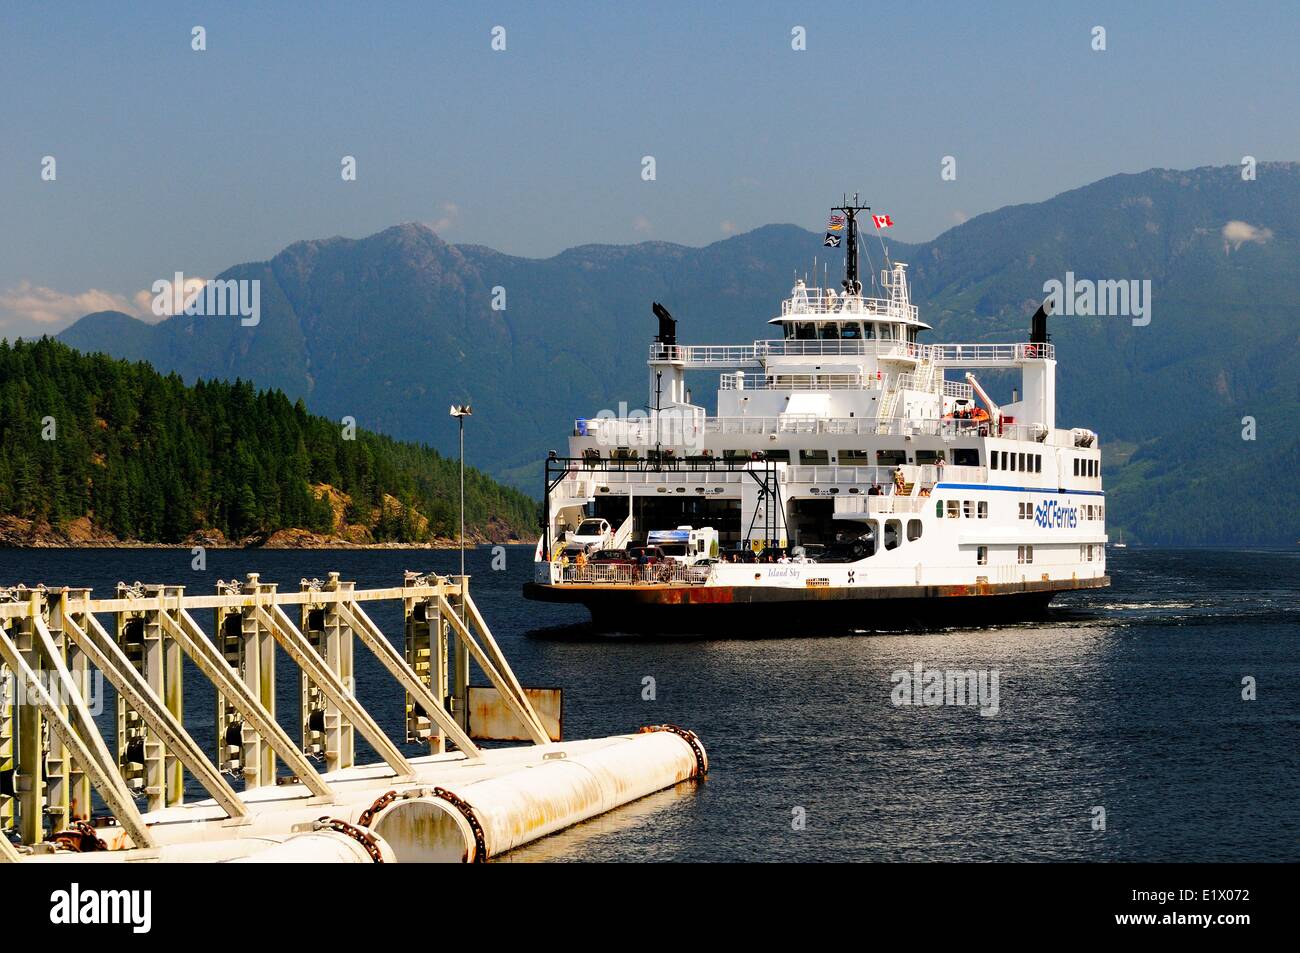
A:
(592, 534)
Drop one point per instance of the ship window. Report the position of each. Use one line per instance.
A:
(830, 331)
(891, 458)
(855, 458)
(814, 458)
(1076, 467)
(954, 509)
(851, 331)
(968, 509)
(893, 530)
(1024, 554)
(787, 330)
(805, 331)
(926, 458)
(983, 509)
(913, 530)
(938, 508)
(993, 460)
(778, 456)
(966, 457)
(982, 556)
(1022, 463)
(871, 331)
(1005, 464)
(732, 455)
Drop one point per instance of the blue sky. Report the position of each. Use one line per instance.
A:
(174, 160)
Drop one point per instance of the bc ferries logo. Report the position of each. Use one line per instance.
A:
(1053, 515)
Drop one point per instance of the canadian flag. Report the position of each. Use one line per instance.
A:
(883, 221)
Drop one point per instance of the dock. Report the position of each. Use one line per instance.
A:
(66, 797)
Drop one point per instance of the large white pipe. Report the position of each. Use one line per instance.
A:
(320, 847)
(525, 805)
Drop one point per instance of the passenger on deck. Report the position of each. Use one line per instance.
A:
(875, 490)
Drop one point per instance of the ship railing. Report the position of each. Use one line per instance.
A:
(645, 432)
(852, 347)
(742, 381)
(847, 506)
(820, 301)
(929, 474)
(751, 355)
(945, 355)
(958, 389)
(704, 355)
(987, 355)
(841, 475)
(667, 427)
(670, 572)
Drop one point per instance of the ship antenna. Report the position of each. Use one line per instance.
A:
(851, 283)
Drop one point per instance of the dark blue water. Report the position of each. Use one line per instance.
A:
(1129, 699)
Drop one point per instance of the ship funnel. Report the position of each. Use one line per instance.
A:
(667, 325)
(1038, 324)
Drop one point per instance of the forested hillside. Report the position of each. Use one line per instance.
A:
(142, 456)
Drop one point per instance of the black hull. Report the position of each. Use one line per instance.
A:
(759, 612)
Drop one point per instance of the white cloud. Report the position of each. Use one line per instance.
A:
(448, 219)
(30, 310)
(1237, 233)
(167, 305)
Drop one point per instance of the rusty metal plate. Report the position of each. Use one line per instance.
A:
(490, 718)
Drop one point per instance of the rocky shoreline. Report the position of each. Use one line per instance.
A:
(81, 533)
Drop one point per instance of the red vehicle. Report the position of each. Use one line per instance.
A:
(646, 555)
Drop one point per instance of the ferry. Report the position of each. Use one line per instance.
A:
(844, 480)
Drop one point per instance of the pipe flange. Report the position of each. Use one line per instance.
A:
(367, 840)
(691, 738)
(480, 842)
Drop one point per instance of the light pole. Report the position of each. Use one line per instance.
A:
(460, 412)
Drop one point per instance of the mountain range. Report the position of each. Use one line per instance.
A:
(391, 328)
